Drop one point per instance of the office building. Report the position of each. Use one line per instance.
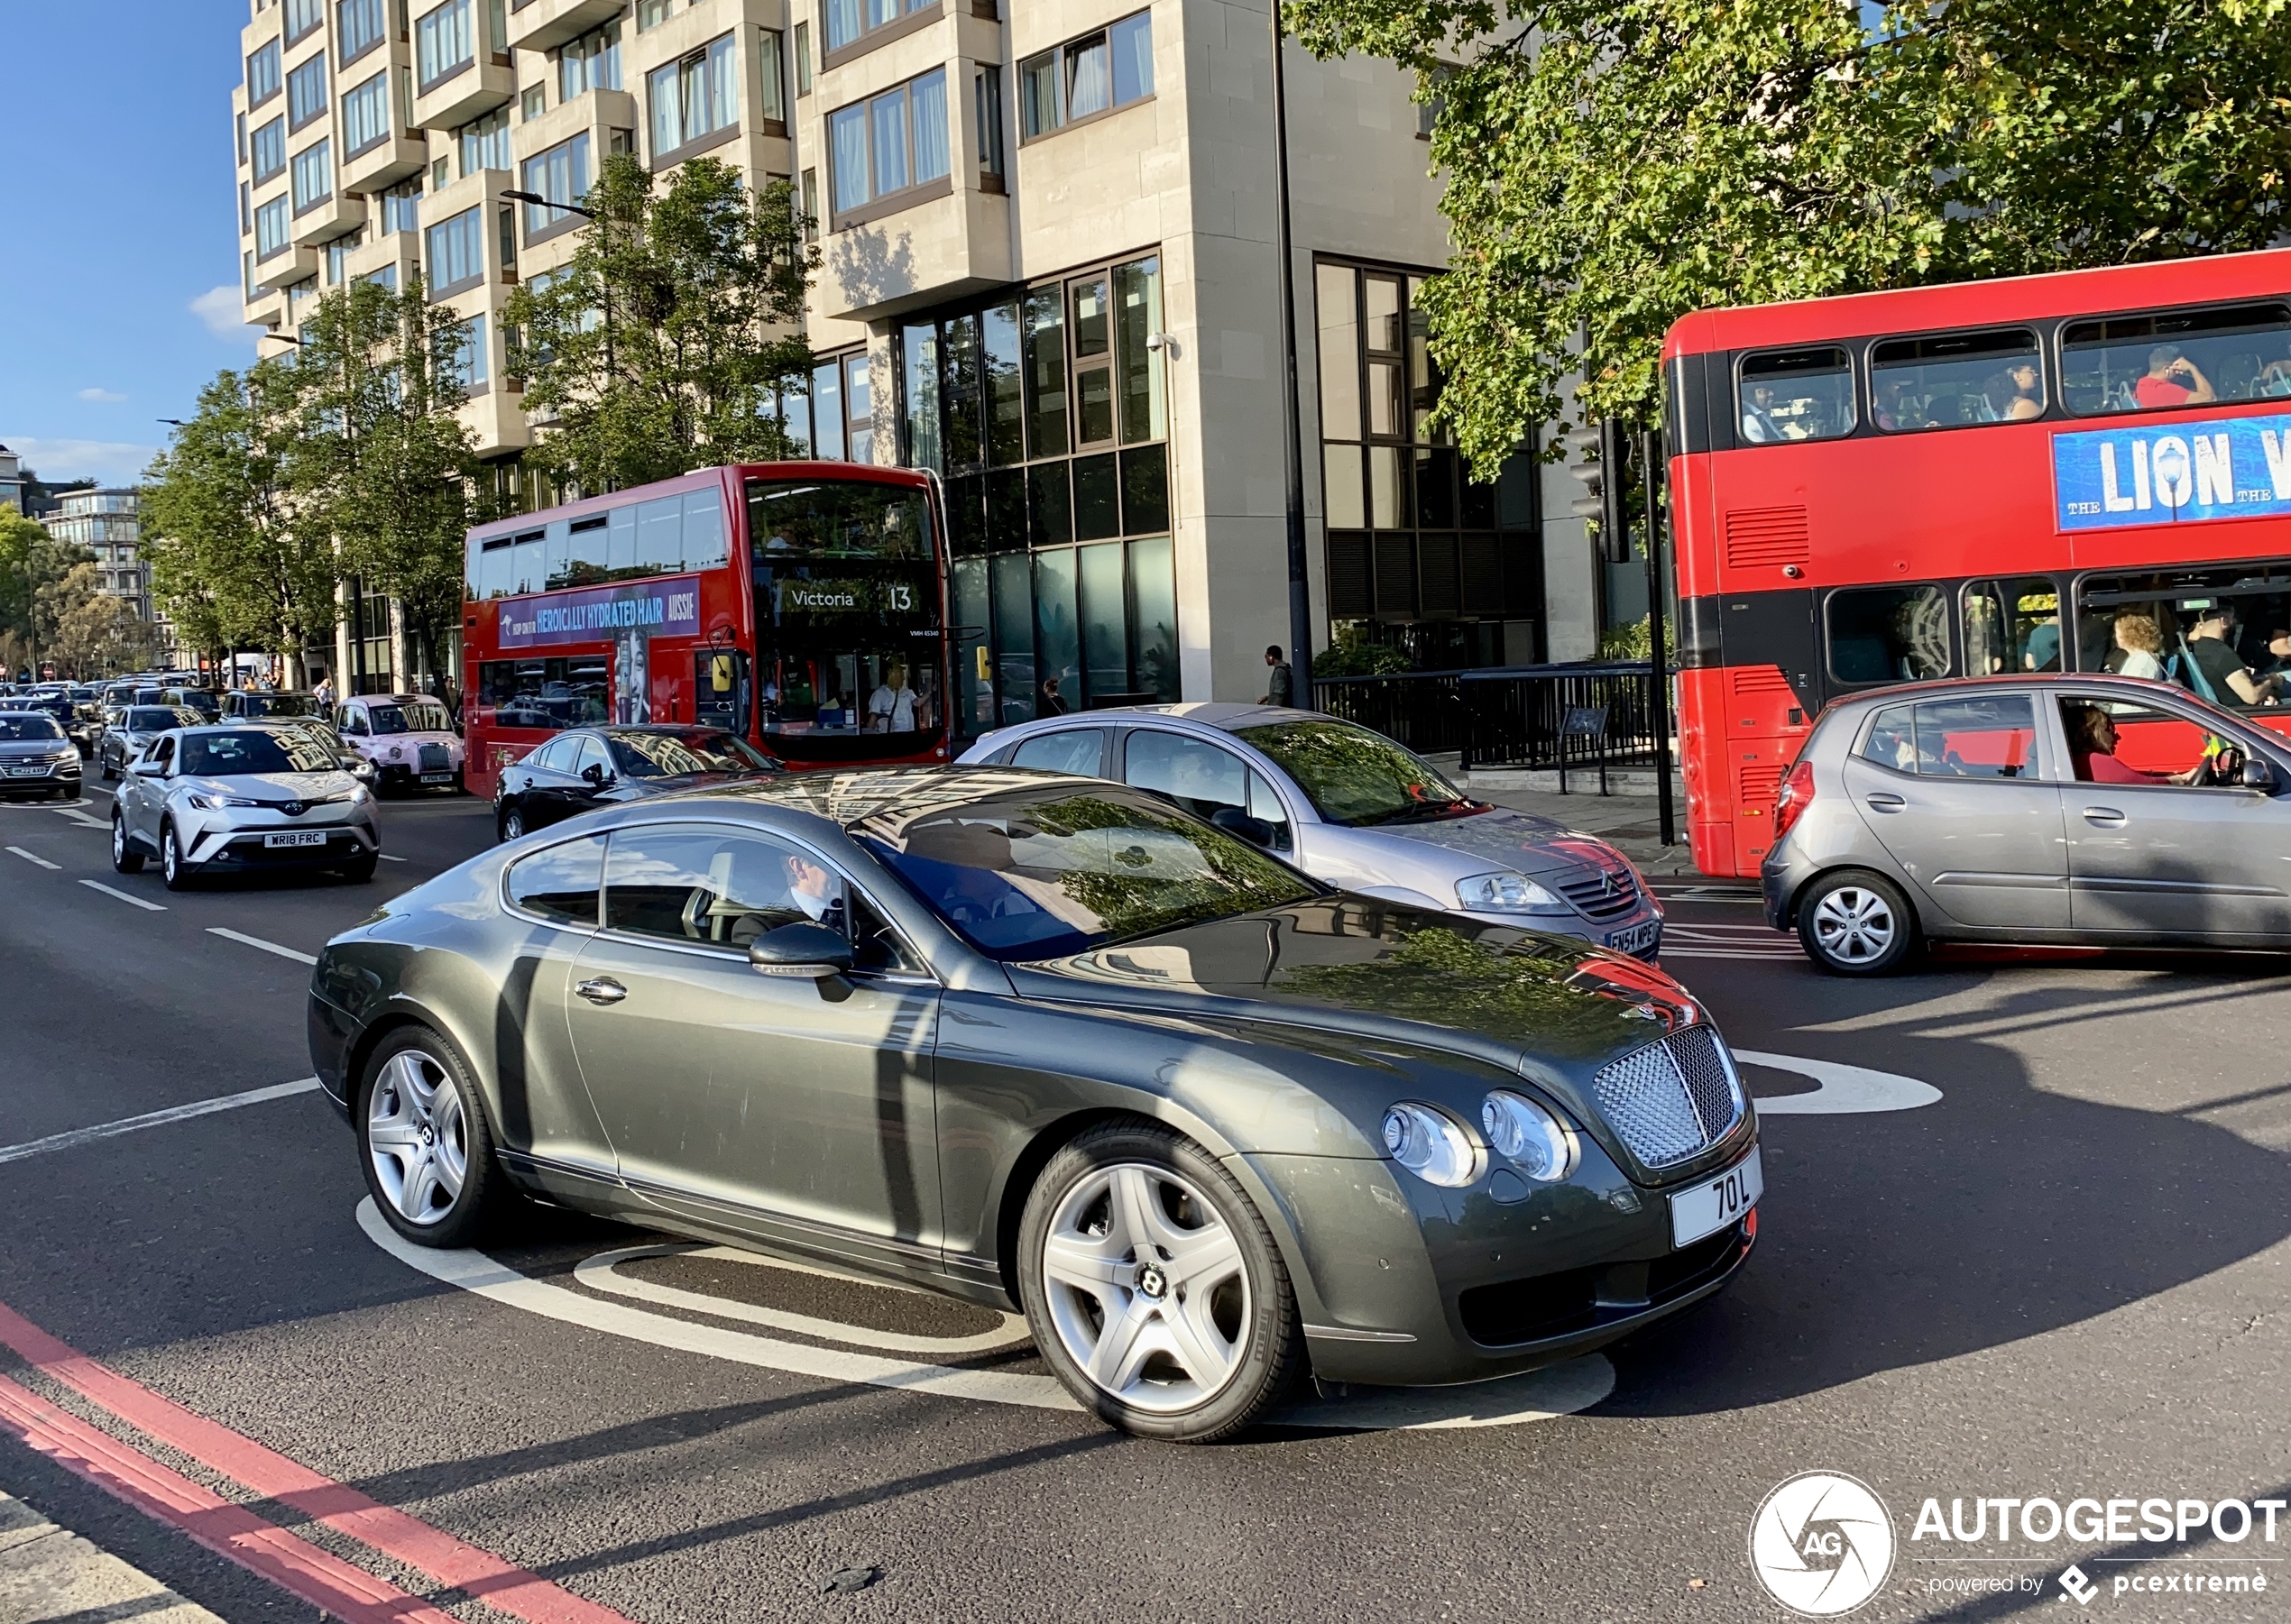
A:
(1049, 273)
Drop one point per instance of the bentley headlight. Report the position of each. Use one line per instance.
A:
(1530, 1138)
(1505, 893)
(1430, 1144)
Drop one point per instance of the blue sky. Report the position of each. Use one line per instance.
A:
(121, 215)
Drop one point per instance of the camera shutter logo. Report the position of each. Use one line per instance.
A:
(1822, 1544)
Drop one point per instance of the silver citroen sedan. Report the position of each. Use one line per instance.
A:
(240, 799)
(1354, 809)
(2068, 810)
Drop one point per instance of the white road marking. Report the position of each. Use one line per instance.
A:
(1513, 1400)
(43, 862)
(153, 1119)
(386, 858)
(139, 902)
(268, 947)
(78, 817)
(1844, 1091)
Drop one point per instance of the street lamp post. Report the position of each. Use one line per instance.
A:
(611, 362)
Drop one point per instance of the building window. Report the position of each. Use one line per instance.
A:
(771, 77)
(445, 42)
(840, 421)
(386, 277)
(269, 150)
(811, 206)
(1047, 412)
(366, 114)
(652, 14)
(313, 176)
(338, 252)
(455, 252)
(986, 96)
(1087, 76)
(1418, 553)
(239, 124)
(271, 227)
(247, 279)
(307, 92)
(302, 17)
(263, 81)
(691, 99)
(246, 209)
(360, 26)
(485, 143)
(803, 58)
(466, 365)
(847, 21)
(532, 102)
(591, 62)
(400, 207)
(561, 175)
(892, 143)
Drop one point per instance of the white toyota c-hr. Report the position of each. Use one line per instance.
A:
(242, 799)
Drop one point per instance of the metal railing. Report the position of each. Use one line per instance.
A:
(1589, 717)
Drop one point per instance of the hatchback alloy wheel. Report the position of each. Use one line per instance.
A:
(1856, 926)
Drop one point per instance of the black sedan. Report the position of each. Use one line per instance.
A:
(1050, 1042)
(584, 768)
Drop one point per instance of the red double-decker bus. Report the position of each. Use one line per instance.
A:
(2074, 472)
(800, 605)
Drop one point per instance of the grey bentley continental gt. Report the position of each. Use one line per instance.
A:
(1053, 1044)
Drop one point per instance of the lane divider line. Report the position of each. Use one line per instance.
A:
(137, 901)
(386, 858)
(43, 862)
(499, 1583)
(268, 947)
(74, 1137)
(232, 1532)
(77, 816)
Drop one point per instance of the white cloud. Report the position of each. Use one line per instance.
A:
(224, 310)
(106, 462)
(102, 396)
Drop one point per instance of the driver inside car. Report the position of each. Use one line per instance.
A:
(2092, 746)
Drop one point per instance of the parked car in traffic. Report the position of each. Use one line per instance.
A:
(2048, 809)
(408, 737)
(215, 799)
(1354, 809)
(251, 705)
(36, 756)
(1041, 1041)
(587, 767)
(135, 727)
(207, 702)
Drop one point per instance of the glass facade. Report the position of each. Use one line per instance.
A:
(1419, 554)
(1047, 413)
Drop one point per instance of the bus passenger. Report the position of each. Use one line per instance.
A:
(1895, 411)
(2275, 378)
(2279, 649)
(2015, 394)
(2172, 380)
(2142, 646)
(1758, 425)
(2232, 682)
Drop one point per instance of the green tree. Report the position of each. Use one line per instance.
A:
(236, 559)
(1612, 165)
(664, 345)
(382, 462)
(37, 586)
(98, 636)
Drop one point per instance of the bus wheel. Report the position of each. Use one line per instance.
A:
(1857, 923)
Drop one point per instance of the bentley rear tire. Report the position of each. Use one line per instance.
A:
(1154, 1288)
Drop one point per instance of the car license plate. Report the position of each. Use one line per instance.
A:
(27, 772)
(1711, 1206)
(300, 837)
(1639, 940)
(437, 777)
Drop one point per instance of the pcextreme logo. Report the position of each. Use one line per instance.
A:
(1822, 1544)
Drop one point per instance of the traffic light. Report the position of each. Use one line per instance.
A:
(1602, 498)
(1583, 444)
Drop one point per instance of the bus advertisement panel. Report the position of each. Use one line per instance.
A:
(2089, 470)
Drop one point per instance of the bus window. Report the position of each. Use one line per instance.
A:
(547, 695)
(1797, 395)
(2012, 626)
(2149, 624)
(1889, 634)
(1955, 379)
(2179, 358)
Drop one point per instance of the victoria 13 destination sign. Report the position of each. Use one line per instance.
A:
(2173, 473)
(667, 606)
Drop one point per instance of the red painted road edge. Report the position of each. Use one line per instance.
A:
(134, 1477)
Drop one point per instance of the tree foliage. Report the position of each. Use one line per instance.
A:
(43, 582)
(1612, 165)
(663, 344)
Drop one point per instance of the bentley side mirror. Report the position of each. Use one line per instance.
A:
(1233, 821)
(806, 952)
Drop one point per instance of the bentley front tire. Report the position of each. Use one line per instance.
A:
(1153, 1287)
(425, 1148)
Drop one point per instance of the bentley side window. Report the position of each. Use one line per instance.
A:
(695, 884)
(560, 883)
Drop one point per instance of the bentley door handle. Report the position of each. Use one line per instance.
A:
(602, 990)
(2106, 816)
(1882, 802)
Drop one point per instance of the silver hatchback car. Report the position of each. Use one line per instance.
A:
(1352, 809)
(2056, 808)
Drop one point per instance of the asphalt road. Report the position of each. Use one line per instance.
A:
(2064, 1276)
